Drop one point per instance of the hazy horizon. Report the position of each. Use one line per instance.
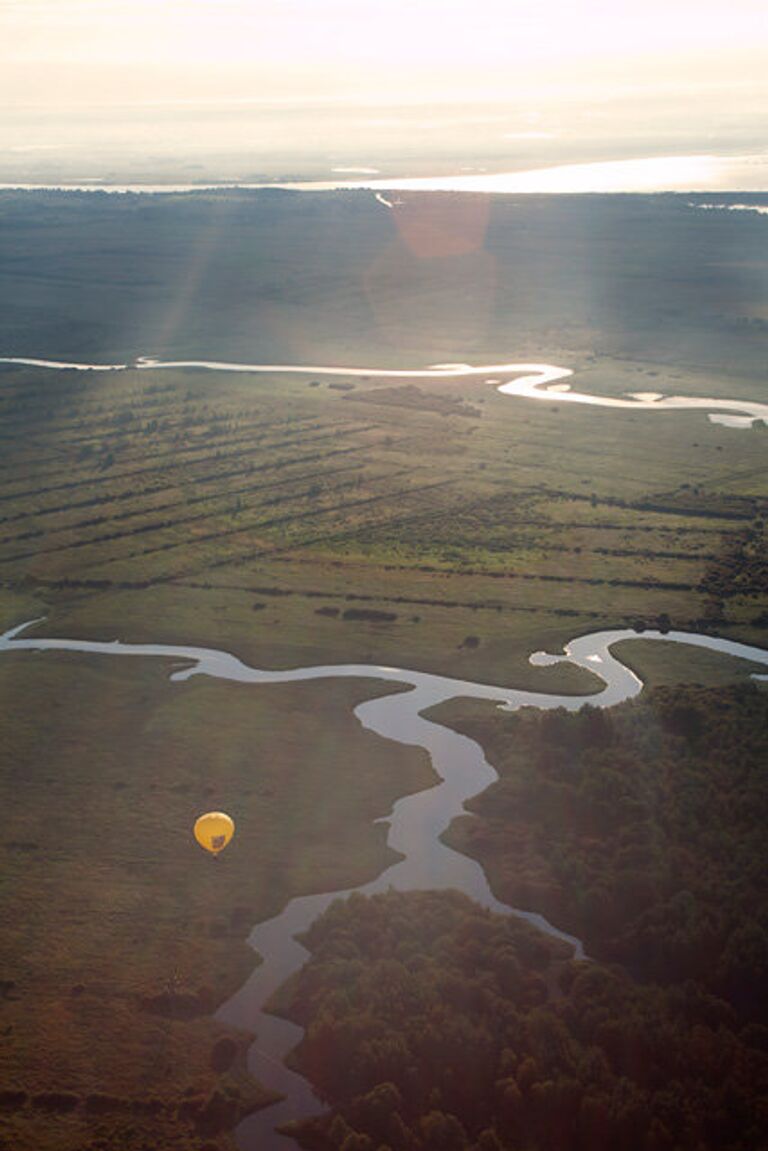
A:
(107, 89)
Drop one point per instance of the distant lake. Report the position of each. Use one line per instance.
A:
(649, 174)
(695, 173)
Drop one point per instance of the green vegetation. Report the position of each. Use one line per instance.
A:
(432, 1025)
(670, 664)
(120, 936)
(426, 524)
(642, 830)
(178, 503)
(272, 518)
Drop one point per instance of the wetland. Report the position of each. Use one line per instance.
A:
(324, 517)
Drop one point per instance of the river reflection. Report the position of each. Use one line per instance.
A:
(416, 822)
(643, 174)
(535, 382)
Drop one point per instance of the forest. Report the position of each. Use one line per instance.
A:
(434, 1025)
(642, 829)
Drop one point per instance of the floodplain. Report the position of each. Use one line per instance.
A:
(297, 520)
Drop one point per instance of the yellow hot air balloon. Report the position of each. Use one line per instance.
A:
(214, 830)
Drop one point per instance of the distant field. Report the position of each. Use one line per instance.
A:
(442, 526)
(286, 277)
(474, 526)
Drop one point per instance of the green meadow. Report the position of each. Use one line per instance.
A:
(443, 527)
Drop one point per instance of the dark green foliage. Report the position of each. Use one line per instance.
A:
(223, 1054)
(58, 1101)
(646, 829)
(432, 1025)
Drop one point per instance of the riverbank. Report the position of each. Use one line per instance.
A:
(531, 381)
(120, 936)
(432, 1023)
(640, 829)
(415, 824)
(363, 520)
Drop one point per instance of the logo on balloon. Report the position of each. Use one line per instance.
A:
(214, 830)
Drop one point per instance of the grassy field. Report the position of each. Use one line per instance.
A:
(294, 521)
(193, 499)
(120, 936)
(291, 524)
(665, 665)
(446, 527)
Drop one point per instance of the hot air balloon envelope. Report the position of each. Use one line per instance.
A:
(214, 830)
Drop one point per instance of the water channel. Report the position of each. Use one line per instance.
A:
(415, 823)
(536, 382)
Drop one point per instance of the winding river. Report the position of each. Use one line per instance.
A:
(415, 822)
(536, 382)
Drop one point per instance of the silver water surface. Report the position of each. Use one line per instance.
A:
(415, 822)
(536, 382)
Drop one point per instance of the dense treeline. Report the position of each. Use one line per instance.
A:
(433, 1025)
(643, 829)
(743, 566)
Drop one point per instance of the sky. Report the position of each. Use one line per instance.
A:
(512, 74)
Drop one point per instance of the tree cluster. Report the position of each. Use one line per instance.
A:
(643, 829)
(433, 1025)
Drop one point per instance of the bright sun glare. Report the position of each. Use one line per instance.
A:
(444, 48)
(526, 83)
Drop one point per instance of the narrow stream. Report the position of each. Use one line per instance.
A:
(415, 822)
(537, 382)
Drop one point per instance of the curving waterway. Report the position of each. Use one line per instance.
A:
(415, 823)
(536, 382)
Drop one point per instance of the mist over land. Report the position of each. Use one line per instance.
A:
(440, 524)
(188, 92)
(253, 141)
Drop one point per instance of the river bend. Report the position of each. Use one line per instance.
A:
(415, 823)
(536, 382)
